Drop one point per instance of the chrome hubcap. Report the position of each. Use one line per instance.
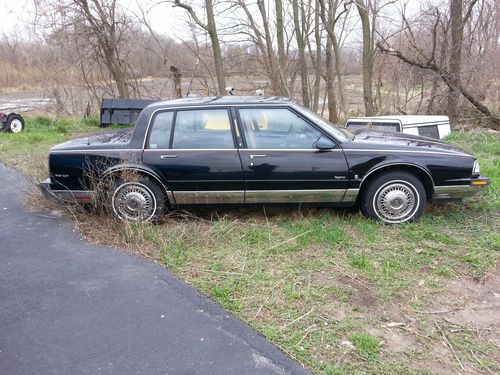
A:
(396, 202)
(16, 126)
(134, 202)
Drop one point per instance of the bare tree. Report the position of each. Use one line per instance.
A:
(424, 55)
(280, 28)
(211, 28)
(299, 35)
(368, 55)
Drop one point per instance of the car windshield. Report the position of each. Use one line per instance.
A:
(341, 134)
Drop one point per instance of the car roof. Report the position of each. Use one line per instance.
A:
(222, 100)
(405, 119)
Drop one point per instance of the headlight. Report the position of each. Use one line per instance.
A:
(475, 169)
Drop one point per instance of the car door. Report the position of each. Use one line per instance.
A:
(281, 161)
(194, 151)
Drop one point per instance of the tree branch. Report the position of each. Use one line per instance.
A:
(192, 14)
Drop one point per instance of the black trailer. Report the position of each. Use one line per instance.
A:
(122, 111)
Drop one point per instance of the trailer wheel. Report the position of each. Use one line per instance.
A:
(15, 123)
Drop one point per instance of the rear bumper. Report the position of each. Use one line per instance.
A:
(48, 190)
(468, 188)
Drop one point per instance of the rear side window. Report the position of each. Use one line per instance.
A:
(159, 137)
(430, 131)
(203, 129)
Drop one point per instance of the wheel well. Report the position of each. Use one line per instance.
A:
(416, 171)
(138, 172)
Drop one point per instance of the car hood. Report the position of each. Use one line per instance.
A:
(378, 138)
(114, 139)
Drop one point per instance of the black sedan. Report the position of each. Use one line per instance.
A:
(256, 150)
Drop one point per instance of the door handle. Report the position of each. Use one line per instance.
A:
(163, 157)
(257, 156)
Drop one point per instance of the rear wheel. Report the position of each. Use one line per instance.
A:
(15, 123)
(137, 201)
(394, 197)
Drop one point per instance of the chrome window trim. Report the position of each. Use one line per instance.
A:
(201, 106)
(258, 149)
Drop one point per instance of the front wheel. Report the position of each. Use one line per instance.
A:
(137, 201)
(15, 123)
(394, 197)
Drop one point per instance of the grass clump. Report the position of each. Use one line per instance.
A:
(367, 345)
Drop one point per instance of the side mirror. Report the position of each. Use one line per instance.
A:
(324, 144)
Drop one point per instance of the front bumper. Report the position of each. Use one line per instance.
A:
(468, 188)
(65, 195)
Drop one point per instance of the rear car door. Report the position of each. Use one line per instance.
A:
(194, 151)
(281, 162)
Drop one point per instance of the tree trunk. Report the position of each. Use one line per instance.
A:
(302, 57)
(317, 70)
(340, 79)
(176, 77)
(367, 57)
(330, 84)
(457, 34)
(214, 38)
(281, 48)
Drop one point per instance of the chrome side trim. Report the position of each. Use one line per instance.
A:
(455, 191)
(294, 196)
(209, 197)
(350, 195)
(68, 195)
(393, 164)
(409, 152)
(265, 196)
(88, 151)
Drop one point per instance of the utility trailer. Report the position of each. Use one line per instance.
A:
(11, 122)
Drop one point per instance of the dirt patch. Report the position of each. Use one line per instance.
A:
(473, 304)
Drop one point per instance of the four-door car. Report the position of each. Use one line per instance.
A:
(256, 150)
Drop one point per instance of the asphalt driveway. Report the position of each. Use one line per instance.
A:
(68, 307)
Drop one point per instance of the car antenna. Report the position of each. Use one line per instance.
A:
(230, 90)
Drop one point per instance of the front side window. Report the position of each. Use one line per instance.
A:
(277, 128)
(203, 129)
(159, 137)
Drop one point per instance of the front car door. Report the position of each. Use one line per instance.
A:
(281, 162)
(194, 151)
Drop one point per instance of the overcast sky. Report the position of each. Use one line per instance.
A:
(16, 14)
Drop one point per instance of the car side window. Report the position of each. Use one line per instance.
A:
(277, 128)
(203, 128)
(159, 136)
